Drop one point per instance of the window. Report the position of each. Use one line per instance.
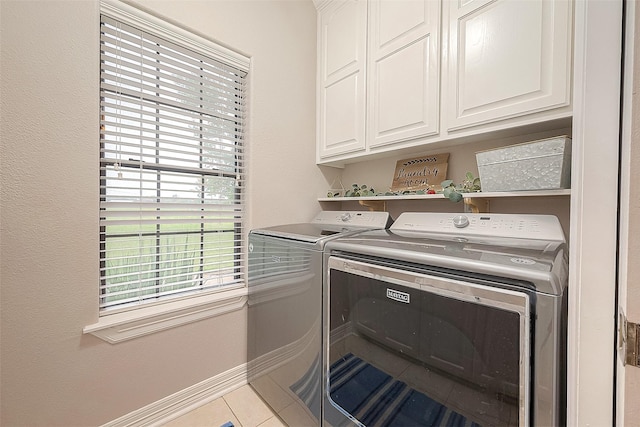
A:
(171, 166)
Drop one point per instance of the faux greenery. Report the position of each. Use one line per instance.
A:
(360, 191)
(365, 191)
(454, 192)
(450, 190)
(404, 193)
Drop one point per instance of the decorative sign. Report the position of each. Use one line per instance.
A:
(420, 172)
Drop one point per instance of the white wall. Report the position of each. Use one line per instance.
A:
(632, 306)
(630, 223)
(52, 374)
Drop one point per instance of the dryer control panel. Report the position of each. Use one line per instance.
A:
(543, 227)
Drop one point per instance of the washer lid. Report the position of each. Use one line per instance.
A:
(328, 224)
(305, 232)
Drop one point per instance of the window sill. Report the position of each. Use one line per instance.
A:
(118, 327)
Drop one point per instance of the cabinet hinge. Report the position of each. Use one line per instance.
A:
(629, 341)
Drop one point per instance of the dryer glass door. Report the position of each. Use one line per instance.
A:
(409, 348)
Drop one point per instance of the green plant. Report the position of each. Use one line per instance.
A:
(454, 192)
(360, 191)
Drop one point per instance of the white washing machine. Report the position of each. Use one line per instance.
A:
(285, 307)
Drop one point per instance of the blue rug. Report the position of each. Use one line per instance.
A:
(376, 399)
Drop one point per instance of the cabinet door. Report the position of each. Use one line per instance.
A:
(507, 58)
(342, 44)
(403, 68)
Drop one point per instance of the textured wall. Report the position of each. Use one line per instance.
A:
(52, 374)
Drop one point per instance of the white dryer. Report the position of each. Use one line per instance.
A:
(447, 320)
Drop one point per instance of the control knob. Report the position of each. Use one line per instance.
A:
(345, 217)
(460, 221)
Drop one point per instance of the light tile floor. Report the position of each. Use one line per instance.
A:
(242, 407)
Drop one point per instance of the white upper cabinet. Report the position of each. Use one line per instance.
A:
(411, 74)
(506, 59)
(379, 83)
(342, 32)
(403, 70)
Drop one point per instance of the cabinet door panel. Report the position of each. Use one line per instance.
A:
(403, 66)
(507, 58)
(505, 38)
(342, 46)
(398, 18)
(343, 115)
(343, 31)
(400, 91)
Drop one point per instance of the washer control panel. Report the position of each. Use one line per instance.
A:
(544, 227)
(353, 218)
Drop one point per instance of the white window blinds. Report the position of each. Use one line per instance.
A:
(171, 169)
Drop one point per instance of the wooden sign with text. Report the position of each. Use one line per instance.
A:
(420, 173)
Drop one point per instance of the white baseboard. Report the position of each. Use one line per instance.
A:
(170, 407)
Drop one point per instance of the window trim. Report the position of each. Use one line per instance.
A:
(154, 317)
(127, 325)
(171, 32)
